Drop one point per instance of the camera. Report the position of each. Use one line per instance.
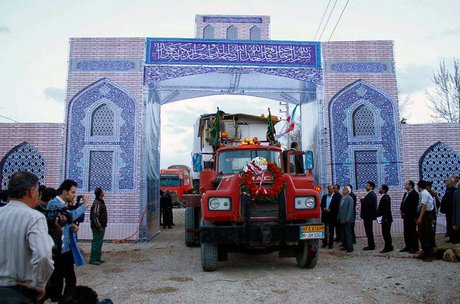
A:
(79, 198)
(52, 214)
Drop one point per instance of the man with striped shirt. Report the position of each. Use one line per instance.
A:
(25, 251)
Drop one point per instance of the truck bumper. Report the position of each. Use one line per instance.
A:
(256, 233)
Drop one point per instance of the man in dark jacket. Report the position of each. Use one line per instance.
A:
(355, 199)
(447, 203)
(330, 204)
(408, 211)
(369, 214)
(456, 217)
(384, 210)
(98, 218)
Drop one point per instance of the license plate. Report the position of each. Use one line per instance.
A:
(312, 232)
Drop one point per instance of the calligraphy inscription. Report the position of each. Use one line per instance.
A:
(279, 54)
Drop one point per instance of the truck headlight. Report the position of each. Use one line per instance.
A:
(305, 202)
(219, 203)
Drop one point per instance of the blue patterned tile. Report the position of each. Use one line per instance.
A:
(363, 107)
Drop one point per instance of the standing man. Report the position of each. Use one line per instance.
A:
(338, 230)
(330, 204)
(369, 214)
(408, 212)
(353, 196)
(447, 204)
(456, 218)
(98, 224)
(425, 221)
(345, 218)
(25, 250)
(384, 211)
(166, 202)
(64, 269)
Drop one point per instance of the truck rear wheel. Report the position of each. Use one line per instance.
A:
(209, 252)
(190, 235)
(307, 253)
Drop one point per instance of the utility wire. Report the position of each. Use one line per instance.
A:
(327, 21)
(338, 20)
(8, 118)
(322, 18)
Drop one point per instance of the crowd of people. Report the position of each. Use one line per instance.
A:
(39, 241)
(419, 210)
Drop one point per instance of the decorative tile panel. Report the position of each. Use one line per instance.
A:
(104, 65)
(159, 73)
(438, 162)
(366, 163)
(230, 52)
(102, 122)
(359, 67)
(123, 143)
(386, 139)
(363, 122)
(23, 157)
(100, 170)
(230, 19)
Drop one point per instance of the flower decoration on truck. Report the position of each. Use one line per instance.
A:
(257, 175)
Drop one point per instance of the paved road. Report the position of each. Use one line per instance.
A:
(166, 271)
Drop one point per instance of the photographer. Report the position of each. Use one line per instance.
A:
(64, 269)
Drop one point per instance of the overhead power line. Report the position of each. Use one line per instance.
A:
(8, 118)
(322, 18)
(338, 20)
(327, 21)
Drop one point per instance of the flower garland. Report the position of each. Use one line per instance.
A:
(253, 176)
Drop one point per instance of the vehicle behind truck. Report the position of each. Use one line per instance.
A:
(178, 181)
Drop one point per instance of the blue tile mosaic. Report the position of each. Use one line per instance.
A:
(359, 67)
(100, 170)
(159, 73)
(365, 167)
(345, 144)
(23, 157)
(122, 141)
(104, 65)
(438, 162)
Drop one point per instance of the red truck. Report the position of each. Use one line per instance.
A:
(178, 181)
(269, 210)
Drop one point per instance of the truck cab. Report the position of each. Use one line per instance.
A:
(234, 220)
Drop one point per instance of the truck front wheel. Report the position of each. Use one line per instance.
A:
(307, 253)
(209, 252)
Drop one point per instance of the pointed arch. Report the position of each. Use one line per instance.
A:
(23, 157)
(364, 134)
(232, 32)
(102, 121)
(255, 33)
(208, 32)
(101, 141)
(438, 162)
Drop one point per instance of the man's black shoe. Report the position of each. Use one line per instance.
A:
(324, 246)
(404, 250)
(413, 251)
(368, 248)
(172, 224)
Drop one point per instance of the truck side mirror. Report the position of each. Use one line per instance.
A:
(309, 162)
(197, 160)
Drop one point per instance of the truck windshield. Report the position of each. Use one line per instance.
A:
(231, 162)
(169, 180)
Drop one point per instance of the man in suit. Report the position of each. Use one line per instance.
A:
(456, 218)
(355, 199)
(384, 210)
(408, 211)
(338, 231)
(330, 204)
(447, 204)
(369, 214)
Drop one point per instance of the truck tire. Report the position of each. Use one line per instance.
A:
(307, 253)
(209, 252)
(190, 239)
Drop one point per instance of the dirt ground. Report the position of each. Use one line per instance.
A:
(166, 271)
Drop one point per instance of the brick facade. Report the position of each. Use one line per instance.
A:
(243, 28)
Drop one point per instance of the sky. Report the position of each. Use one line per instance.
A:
(34, 37)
